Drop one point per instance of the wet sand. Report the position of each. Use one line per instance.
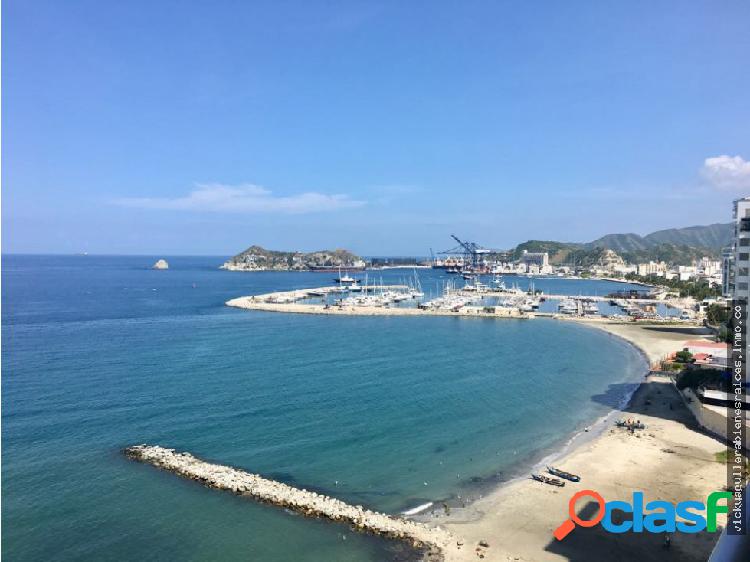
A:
(672, 459)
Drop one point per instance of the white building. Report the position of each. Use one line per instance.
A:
(686, 272)
(623, 270)
(707, 267)
(652, 268)
(535, 262)
(540, 259)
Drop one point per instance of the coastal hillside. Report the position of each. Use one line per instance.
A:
(257, 258)
(716, 236)
(679, 246)
(713, 236)
(620, 242)
(558, 251)
(583, 255)
(670, 253)
(569, 253)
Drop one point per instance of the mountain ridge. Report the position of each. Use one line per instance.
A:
(679, 246)
(714, 236)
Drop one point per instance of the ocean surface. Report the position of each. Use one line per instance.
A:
(389, 412)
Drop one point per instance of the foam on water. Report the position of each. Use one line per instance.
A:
(419, 509)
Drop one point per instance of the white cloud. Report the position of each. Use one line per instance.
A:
(245, 198)
(727, 173)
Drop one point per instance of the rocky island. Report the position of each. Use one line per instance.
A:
(256, 258)
(160, 264)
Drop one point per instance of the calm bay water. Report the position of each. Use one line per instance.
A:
(101, 352)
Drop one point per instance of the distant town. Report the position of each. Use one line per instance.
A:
(705, 267)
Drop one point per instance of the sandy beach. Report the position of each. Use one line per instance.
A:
(672, 459)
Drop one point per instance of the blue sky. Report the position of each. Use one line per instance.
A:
(161, 127)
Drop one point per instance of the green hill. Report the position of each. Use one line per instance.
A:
(678, 246)
(713, 236)
(256, 258)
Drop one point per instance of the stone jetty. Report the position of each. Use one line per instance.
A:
(258, 303)
(435, 541)
(289, 302)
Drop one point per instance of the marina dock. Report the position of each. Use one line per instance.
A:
(454, 302)
(276, 303)
(434, 540)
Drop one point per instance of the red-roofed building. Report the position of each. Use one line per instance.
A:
(717, 350)
(705, 343)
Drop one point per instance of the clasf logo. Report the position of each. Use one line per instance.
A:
(656, 517)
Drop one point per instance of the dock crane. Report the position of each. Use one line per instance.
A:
(471, 251)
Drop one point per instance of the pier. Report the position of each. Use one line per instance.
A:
(279, 304)
(436, 541)
(465, 305)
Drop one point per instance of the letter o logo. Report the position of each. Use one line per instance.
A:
(572, 508)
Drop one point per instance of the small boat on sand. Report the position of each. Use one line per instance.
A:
(630, 424)
(562, 474)
(547, 480)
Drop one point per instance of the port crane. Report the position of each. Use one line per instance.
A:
(471, 251)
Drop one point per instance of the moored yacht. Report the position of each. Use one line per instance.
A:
(345, 279)
(590, 307)
(568, 306)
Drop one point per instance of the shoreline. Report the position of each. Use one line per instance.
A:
(672, 459)
(566, 445)
(495, 516)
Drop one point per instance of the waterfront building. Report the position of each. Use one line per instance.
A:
(652, 268)
(535, 263)
(624, 269)
(539, 259)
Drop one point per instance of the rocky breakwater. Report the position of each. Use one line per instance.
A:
(435, 541)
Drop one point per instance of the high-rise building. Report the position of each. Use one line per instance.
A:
(741, 247)
(727, 272)
(540, 259)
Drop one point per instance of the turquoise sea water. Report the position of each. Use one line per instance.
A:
(102, 352)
